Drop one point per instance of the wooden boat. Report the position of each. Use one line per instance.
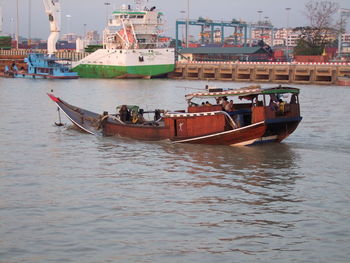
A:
(256, 118)
(344, 80)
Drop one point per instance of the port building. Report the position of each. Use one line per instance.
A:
(225, 54)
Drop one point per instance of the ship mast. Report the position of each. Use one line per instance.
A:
(140, 4)
(53, 10)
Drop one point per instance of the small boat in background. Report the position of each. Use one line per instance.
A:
(42, 66)
(344, 80)
(259, 115)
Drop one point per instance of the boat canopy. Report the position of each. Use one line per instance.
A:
(243, 92)
(134, 108)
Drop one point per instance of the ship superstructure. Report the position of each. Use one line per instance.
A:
(131, 47)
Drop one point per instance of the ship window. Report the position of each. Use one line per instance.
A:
(133, 16)
(139, 16)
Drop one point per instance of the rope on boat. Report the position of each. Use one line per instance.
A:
(101, 121)
(116, 118)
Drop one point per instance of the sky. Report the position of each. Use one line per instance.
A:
(93, 13)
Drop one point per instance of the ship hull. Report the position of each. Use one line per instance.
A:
(131, 63)
(110, 72)
(41, 76)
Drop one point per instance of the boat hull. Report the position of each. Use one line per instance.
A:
(126, 63)
(150, 131)
(39, 76)
(258, 133)
(121, 72)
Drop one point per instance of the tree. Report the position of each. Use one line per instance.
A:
(315, 37)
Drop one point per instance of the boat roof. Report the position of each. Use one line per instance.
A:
(48, 57)
(246, 91)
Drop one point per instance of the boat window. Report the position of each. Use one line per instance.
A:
(132, 16)
(140, 16)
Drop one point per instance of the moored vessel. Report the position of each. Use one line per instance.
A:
(258, 115)
(344, 81)
(131, 47)
(42, 66)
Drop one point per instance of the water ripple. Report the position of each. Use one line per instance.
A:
(66, 196)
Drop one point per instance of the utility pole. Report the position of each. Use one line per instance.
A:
(259, 22)
(287, 41)
(1, 19)
(29, 23)
(17, 26)
(187, 21)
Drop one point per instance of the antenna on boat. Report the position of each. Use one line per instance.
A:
(53, 10)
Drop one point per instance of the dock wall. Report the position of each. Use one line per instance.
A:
(277, 72)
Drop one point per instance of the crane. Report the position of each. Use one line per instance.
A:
(53, 10)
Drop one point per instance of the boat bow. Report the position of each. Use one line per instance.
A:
(88, 121)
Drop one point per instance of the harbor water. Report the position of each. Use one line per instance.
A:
(66, 196)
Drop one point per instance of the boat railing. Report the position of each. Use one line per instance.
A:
(231, 121)
(289, 111)
(204, 108)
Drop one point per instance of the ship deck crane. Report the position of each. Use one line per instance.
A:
(53, 10)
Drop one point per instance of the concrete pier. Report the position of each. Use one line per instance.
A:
(277, 72)
(298, 73)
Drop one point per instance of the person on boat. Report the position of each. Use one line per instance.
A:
(207, 103)
(281, 105)
(229, 106)
(6, 70)
(224, 102)
(124, 113)
(293, 99)
(134, 117)
(14, 67)
(273, 102)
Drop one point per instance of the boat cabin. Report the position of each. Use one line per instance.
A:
(248, 105)
(218, 111)
(252, 106)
